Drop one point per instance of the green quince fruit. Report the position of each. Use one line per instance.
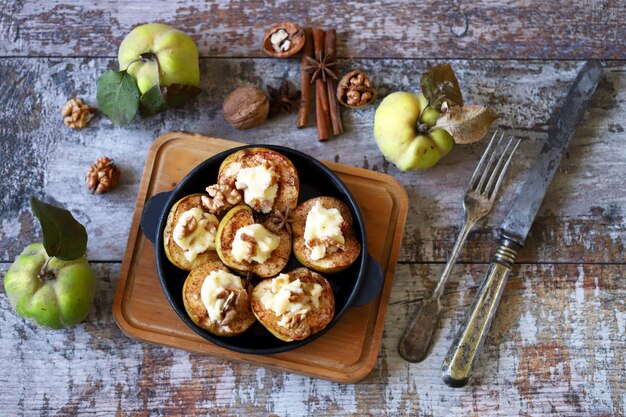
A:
(402, 140)
(52, 292)
(176, 56)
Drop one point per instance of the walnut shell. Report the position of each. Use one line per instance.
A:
(295, 37)
(246, 107)
(355, 90)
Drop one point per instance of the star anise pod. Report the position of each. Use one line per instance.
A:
(282, 101)
(322, 67)
(281, 220)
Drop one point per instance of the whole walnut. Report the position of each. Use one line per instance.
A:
(246, 107)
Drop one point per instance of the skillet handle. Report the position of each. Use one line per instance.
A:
(372, 283)
(151, 213)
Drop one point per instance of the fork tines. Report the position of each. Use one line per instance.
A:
(490, 171)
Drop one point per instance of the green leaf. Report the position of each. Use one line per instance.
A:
(118, 96)
(178, 94)
(439, 84)
(152, 102)
(63, 236)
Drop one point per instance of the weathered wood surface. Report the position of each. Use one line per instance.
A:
(557, 345)
(401, 29)
(582, 219)
(556, 348)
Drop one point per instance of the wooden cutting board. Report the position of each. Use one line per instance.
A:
(346, 353)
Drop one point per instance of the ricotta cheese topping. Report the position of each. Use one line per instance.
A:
(322, 230)
(280, 299)
(257, 244)
(215, 289)
(202, 238)
(259, 185)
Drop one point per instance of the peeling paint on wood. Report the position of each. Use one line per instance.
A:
(557, 344)
(400, 29)
(556, 347)
(583, 214)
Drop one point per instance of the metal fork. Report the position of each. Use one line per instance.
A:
(479, 198)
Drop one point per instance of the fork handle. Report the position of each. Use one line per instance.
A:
(459, 362)
(415, 341)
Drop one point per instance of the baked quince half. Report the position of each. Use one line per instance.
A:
(323, 235)
(295, 305)
(189, 236)
(248, 246)
(217, 300)
(267, 179)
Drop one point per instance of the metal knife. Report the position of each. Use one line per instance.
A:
(459, 362)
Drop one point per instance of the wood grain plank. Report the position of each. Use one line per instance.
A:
(582, 219)
(557, 345)
(519, 29)
(556, 348)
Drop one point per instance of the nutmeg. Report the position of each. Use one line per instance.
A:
(246, 107)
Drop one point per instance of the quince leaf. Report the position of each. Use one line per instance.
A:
(178, 94)
(439, 84)
(118, 96)
(467, 124)
(152, 102)
(63, 236)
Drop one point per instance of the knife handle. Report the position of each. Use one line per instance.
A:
(459, 362)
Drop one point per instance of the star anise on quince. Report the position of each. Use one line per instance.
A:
(280, 220)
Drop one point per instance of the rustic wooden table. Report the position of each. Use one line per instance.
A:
(557, 345)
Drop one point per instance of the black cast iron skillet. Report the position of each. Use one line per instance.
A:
(355, 286)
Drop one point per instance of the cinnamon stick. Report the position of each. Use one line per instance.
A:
(305, 79)
(322, 110)
(330, 49)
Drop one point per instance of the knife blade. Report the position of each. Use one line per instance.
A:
(524, 209)
(458, 364)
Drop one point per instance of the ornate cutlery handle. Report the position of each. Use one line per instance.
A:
(459, 362)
